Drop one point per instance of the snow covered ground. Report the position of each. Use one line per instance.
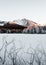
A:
(25, 39)
(26, 45)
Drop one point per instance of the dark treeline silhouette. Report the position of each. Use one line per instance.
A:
(37, 30)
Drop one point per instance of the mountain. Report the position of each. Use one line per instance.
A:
(23, 26)
(33, 27)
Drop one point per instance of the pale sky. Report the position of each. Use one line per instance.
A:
(17, 9)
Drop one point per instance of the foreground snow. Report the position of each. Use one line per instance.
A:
(23, 49)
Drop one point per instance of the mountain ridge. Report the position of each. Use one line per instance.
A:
(22, 25)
